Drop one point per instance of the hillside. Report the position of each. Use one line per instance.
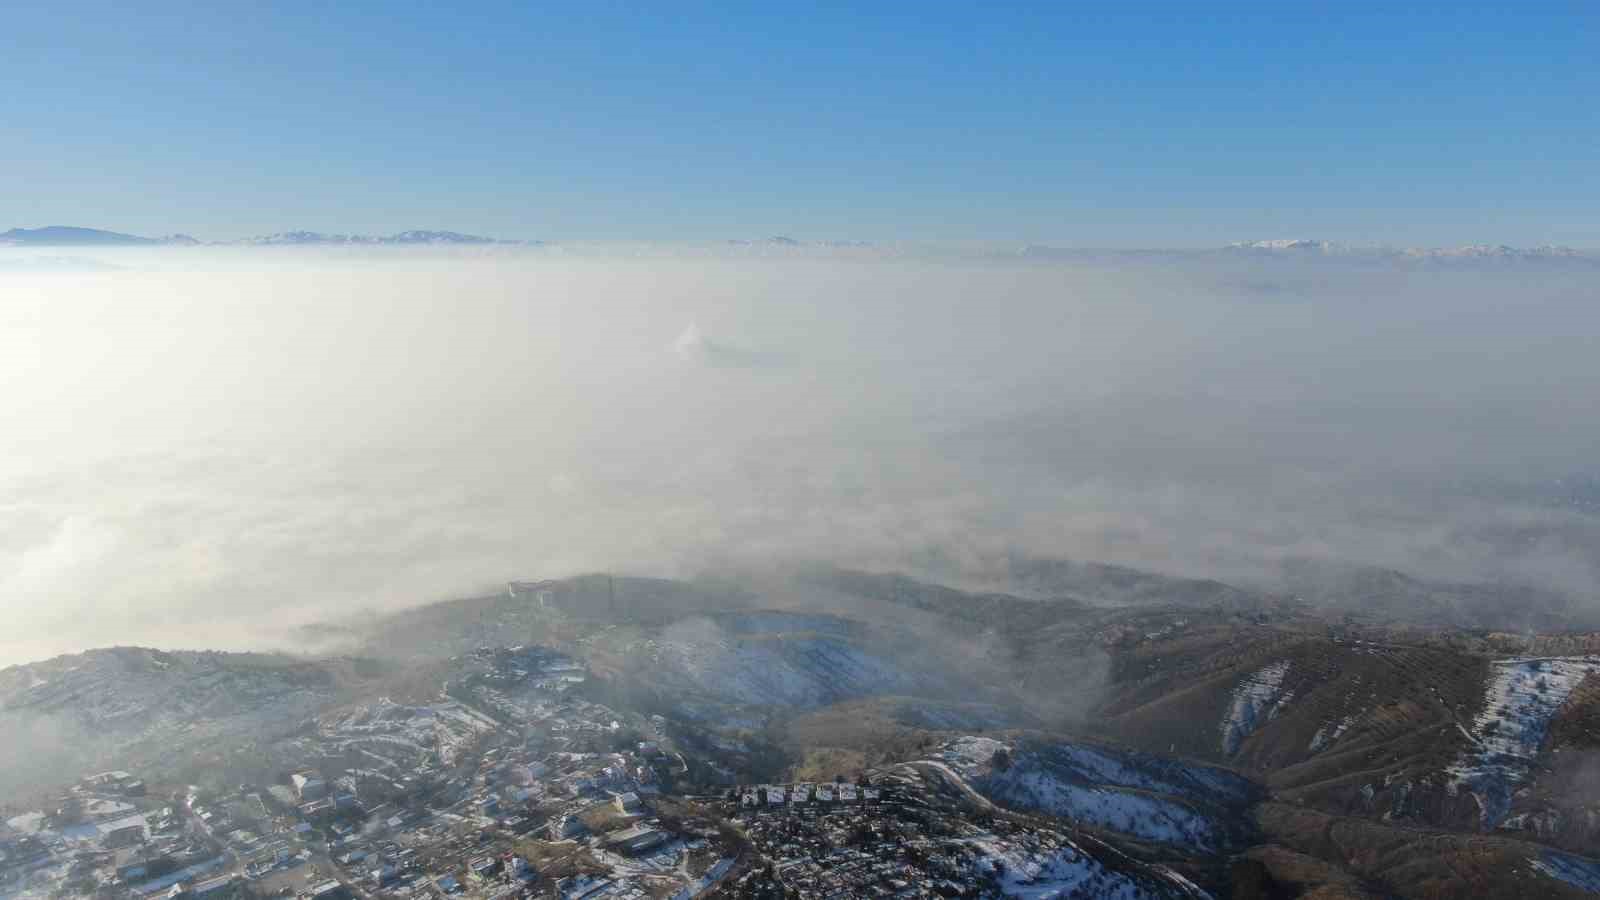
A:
(1255, 743)
(70, 236)
(134, 707)
(1141, 796)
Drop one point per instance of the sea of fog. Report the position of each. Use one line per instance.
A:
(208, 447)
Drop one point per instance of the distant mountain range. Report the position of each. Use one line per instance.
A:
(1468, 251)
(1331, 250)
(71, 236)
(1296, 248)
(403, 237)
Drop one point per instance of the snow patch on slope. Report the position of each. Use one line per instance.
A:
(1583, 874)
(971, 754)
(1096, 787)
(1151, 773)
(1090, 763)
(1256, 701)
(1329, 733)
(446, 728)
(1140, 815)
(1022, 872)
(1522, 696)
(802, 668)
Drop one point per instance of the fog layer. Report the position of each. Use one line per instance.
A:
(204, 449)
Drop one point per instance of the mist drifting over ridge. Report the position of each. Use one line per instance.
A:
(212, 445)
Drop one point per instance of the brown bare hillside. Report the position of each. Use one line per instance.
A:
(1427, 865)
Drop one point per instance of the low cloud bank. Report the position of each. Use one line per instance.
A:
(205, 449)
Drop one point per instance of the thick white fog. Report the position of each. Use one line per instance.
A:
(205, 448)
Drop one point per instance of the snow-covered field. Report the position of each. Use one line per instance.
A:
(704, 882)
(971, 756)
(1521, 698)
(1038, 875)
(1256, 700)
(411, 732)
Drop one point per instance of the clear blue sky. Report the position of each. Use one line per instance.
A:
(1173, 124)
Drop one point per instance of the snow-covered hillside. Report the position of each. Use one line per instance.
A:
(1581, 873)
(398, 737)
(133, 704)
(1137, 794)
(1050, 872)
(1035, 861)
(1521, 697)
(765, 659)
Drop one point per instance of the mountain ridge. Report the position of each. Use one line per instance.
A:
(1265, 249)
(1335, 252)
(78, 236)
(1222, 725)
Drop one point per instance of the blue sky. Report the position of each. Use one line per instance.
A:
(1173, 125)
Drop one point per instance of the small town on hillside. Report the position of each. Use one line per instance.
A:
(510, 785)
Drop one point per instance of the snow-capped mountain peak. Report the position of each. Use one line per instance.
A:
(1300, 244)
(413, 237)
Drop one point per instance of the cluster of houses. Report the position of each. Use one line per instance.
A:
(106, 835)
(116, 783)
(839, 850)
(392, 801)
(442, 861)
(558, 770)
(782, 796)
(895, 848)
